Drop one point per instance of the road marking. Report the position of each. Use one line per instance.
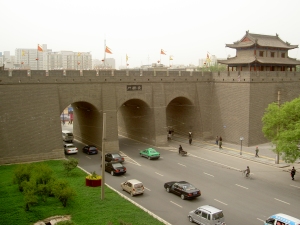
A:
(209, 174)
(181, 164)
(130, 160)
(295, 186)
(215, 162)
(88, 157)
(220, 201)
(176, 204)
(159, 174)
(147, 188)
(282, 201)
(241, 186)
(261, 220)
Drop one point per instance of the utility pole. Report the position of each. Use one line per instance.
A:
(103, 156)
(278, 102)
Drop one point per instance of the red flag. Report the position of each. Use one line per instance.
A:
(108, 50)
(162, 52)
(40, 49)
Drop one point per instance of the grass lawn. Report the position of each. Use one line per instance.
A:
(86, 207)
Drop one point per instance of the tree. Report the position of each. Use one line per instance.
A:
(70, 164)
(281, 125)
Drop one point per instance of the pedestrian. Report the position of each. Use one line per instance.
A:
(169, 135)
(190, 137)
(256, 152)
(293, 172)
(220, 142)
(217, 140)
(180, 149)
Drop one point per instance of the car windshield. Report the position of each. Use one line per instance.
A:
(116, 165)
(152, 151)
(71, 146)
(93, 148)
(217, 216)
(188, 187)
(138, 185)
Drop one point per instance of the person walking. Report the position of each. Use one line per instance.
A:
(190, 138)
(256, 151)
(293, 172)
(217, 140)
(220, 142)
(180, 149)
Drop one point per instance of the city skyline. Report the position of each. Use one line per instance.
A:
(187, 31)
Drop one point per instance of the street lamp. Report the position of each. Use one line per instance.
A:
(241, 139)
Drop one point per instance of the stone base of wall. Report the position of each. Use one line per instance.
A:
(55, 154)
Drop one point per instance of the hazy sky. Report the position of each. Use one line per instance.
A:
(139, 28)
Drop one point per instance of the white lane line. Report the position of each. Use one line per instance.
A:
(295, 186)
(159, 174)
(88, 157)
(215, 162)
(209, 174)
(241, 186)
(282, 201)
(130, 160)
(176, 204)
(147, 188)
(220, 201)
(181, 164)
(261, 220)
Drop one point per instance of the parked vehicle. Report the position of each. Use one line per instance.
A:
(67, 136)
(133, 187)
(182, 188)
(70, 149)
(90, 149)
(207, 215)
(114, 157)
(115, 168)
(150, 153)
(282, 219)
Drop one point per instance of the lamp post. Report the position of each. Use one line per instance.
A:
(241, 139)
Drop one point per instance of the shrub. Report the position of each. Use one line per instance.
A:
(70, 164)
(93, 176)
(22, 173)
(62, 191)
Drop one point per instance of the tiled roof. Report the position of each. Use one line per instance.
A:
(261, 40)
(263, 60)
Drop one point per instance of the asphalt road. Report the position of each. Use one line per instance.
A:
(244, 200)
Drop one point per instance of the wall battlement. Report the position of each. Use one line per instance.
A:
(83, 76)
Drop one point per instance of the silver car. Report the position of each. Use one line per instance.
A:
(70, 149)
(207, 215)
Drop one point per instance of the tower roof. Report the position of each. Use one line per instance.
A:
(261, 40)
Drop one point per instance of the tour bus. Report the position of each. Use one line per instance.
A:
(282, 219)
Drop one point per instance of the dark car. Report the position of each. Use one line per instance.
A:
(182, 188)
(90, 149)
(115, 168)
(114, 157)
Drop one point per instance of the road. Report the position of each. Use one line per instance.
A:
(247, 200)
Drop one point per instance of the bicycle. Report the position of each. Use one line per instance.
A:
(247, 175)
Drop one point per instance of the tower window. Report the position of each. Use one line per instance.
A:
(282, 55)
(261, 53)
(272, 54)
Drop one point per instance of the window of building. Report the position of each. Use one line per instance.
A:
(272, 54)
(261, 53)
(282, 55)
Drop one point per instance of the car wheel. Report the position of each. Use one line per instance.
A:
(182, 197)
(191, 219)
(112, 173)
(168, 190)
(149, 157)
(131, 194)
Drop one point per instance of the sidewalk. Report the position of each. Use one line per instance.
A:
(266, 155)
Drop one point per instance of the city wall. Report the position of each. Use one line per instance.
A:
(227, 104)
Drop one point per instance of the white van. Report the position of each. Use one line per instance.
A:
(207, 215)
(67, 136)
(282, 219)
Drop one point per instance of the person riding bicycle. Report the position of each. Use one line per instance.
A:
(247, 171)
(180, 149)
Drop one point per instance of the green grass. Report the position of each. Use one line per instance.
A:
(86, 207)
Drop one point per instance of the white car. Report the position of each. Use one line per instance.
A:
(70, 149)
(133, 187)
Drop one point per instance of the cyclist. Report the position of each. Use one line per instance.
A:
(247, 171)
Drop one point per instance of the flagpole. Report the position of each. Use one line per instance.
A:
(104, 52)
(37, 59)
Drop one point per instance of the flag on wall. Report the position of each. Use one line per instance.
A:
(40, 49)
(23, 53)
(108, 50)
(78, 54)
(171, 57)
(127, 57)
(162, 52)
